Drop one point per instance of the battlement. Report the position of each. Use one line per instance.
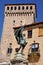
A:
(26, 9)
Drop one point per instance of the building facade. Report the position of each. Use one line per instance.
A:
(17, 15)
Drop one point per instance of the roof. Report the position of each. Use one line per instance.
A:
(34, 24)
(31, 26)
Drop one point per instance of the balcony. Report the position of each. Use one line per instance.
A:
(34, 53)
(33, 57)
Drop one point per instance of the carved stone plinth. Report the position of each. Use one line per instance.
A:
(19, 60)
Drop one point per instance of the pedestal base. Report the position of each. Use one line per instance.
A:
(19, 60)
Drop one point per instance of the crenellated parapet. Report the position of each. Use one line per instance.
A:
(20, 9)
(19, 13)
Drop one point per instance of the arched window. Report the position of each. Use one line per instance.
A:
(19, 8)
(26, 7)
(15, 8)
(7, 8)
(11, 8)
(22, 7)
(30, 7)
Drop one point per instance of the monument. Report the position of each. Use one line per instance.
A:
(21, 40)
(19, 58)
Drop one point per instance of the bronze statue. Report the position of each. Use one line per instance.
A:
(21, 40)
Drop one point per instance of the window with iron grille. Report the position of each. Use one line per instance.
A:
(9, 50)
(35, 47)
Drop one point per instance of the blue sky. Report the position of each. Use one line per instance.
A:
(39, 4)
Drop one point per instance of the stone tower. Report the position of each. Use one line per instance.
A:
(15, 15)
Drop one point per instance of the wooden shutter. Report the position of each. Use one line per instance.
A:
(40, 31)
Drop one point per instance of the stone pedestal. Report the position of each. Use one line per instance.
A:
(19, 60)
(4, 63)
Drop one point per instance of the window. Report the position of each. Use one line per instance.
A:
(14, 8)
(7, 8)
(10, 43)
(11, 8)
(35, 47)
(19, 8)
(9, 50)
(23, 8)
(30, 34)
(14, 21)
(27, 8)
(40, 31)
(20, 22)
(31, 7)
